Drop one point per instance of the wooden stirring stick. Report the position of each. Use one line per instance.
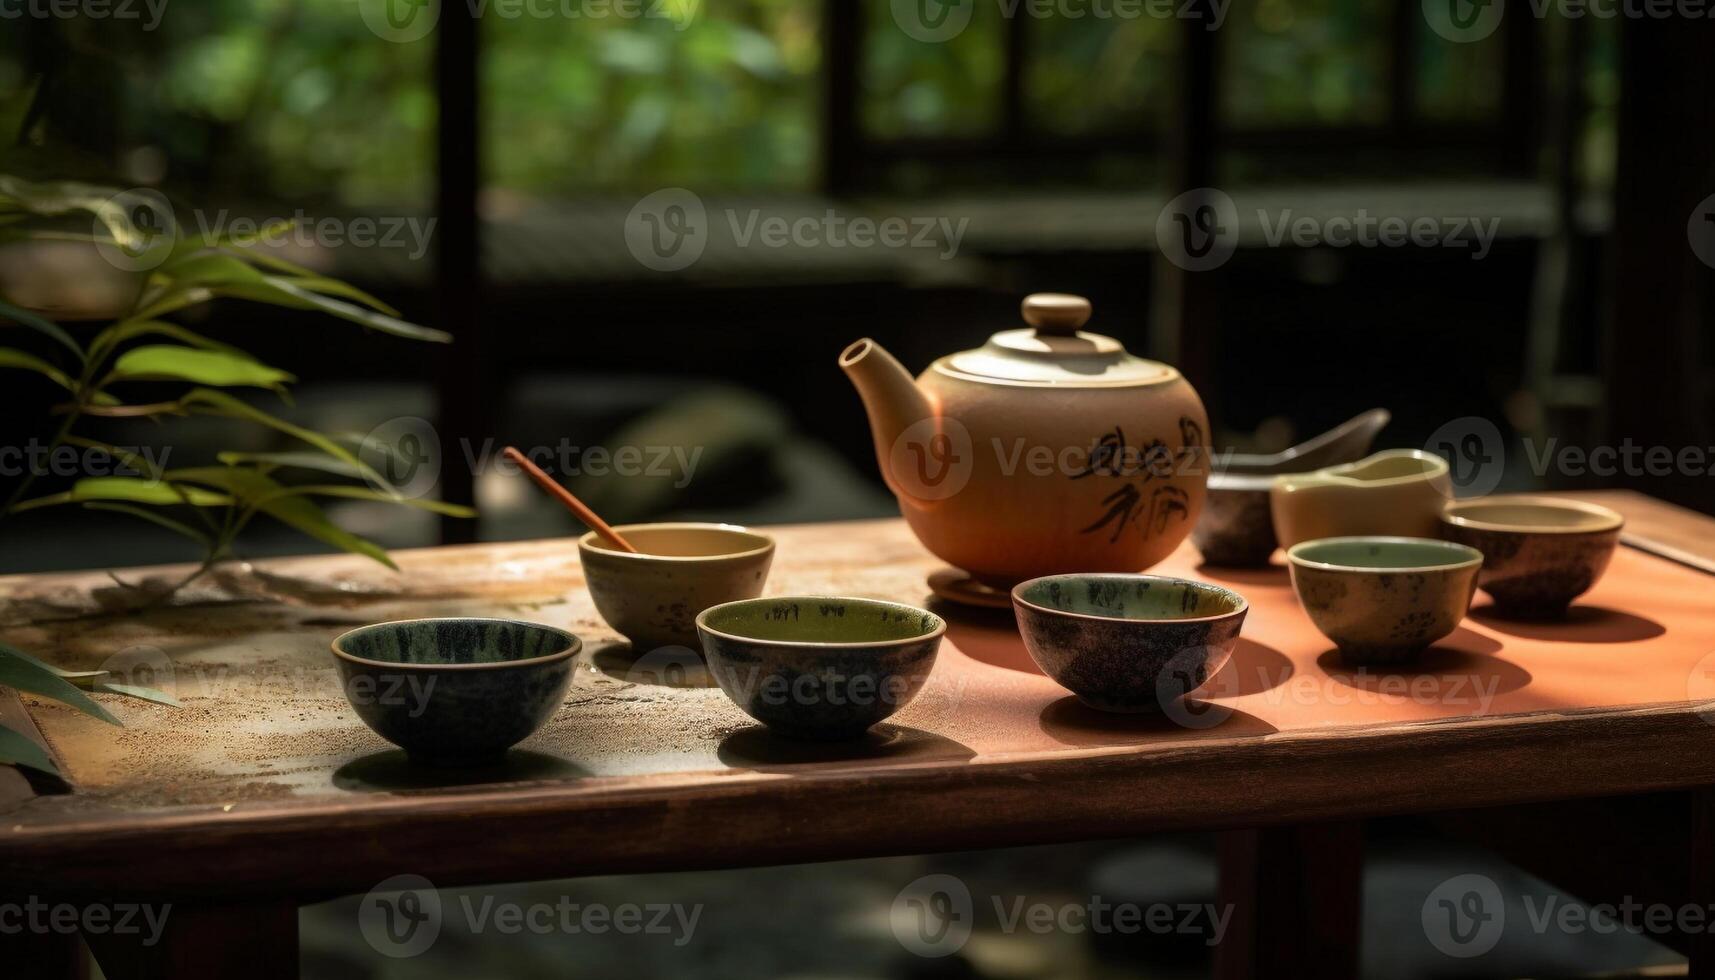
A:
(566, 497)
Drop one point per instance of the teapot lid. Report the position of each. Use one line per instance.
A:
(1053, 351)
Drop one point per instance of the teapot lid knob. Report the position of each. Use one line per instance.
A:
(1056, 314)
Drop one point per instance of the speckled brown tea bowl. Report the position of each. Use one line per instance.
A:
(1539, 553)
(1384, 600)
(820, 667)
(1236, 528)
(455, 691)
(653, 598)
(1128, 643)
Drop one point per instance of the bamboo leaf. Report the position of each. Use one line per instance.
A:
(139, 692)
(171, 362)
(11, 357)
(208, 268)
(21, 671)
(109, 205)
(279, 502)
(41, 325)
(18, 749)
(131, 329)
(187, 246)
(273, 229)
(129, 489)
(160, 520)
(160, 302)
(282, 291)
(80, 678)
(366, 493)
(302, 461)
(335, 287)
(214, 402)
(51, 199)
(129, 458)
(259, 255)
(97, 681)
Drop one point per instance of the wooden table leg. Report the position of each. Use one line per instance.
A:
(1700, 949)
(255, 942)
(28, 953)
(1296, 897)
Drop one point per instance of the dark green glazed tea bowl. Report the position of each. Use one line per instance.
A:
(1128, 643)
(455, 691)
(820, 667)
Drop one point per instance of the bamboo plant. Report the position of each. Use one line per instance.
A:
(144, 363)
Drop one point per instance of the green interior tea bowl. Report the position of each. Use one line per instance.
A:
(820, 667)
(1539, 553)
(1384, 600)
(1128, 643)
(455, 691)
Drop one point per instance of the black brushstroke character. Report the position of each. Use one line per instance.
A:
(1127, 504)
(1107, 456)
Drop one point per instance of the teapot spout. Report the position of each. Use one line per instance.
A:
(890, 396)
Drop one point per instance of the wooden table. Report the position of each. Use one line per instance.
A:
(264, 790)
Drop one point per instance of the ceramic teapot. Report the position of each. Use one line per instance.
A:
(1046, 450)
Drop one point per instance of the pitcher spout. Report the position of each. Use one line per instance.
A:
(892, 399)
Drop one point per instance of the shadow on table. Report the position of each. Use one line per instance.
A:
(669, 666)
(1454, 669)
(1253, 668)
(1581, 624)
(393, 771)
(1234, 575)
(761, 750)
(1072, 722)
(988, 635)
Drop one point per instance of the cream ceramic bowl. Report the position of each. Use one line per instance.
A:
(1540, 553)
(653, 598)
(1384, 600)
(1396, 493)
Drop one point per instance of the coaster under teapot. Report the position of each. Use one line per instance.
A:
(960, 586)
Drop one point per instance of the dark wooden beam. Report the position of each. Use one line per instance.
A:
(1014, 125)
(255, 941)
(1522, 102)
(465, 404)
(1658, 320)
(1184, 316)
(843, 144)
(1403, 23)
(1296, 895)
